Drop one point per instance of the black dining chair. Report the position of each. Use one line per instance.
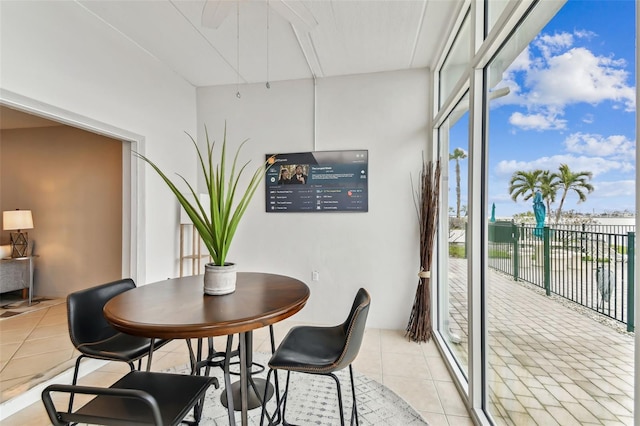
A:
(139, 398)
(93, 336)
(322, 351)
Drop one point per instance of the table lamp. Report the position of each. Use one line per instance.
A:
(18, 220)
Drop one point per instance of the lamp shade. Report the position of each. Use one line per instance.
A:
(16, 220)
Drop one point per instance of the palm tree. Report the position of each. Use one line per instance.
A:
(549, 184)
(458, 154)
(524, 184)
(577, 182)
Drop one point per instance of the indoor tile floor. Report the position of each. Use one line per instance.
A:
(34, 347)
(416, 372)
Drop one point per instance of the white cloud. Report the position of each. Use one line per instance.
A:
(522, 61)
(559, 74)
(615, 146)
(585, 34)
(577, 75)
(537, 121)
(621, 188)
(549, 44)
(595, 165)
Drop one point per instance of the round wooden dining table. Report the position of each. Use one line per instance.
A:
(178, 308)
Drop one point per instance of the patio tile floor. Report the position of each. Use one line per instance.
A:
(548, 363)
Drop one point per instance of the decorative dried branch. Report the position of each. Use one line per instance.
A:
(426, 198)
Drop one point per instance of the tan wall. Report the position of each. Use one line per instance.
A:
(71, 180)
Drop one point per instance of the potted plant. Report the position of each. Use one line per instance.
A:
(218, 221)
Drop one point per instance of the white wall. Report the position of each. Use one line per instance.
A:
(385, 113)
(58, 54)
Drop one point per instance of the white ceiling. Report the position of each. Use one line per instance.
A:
(351, 36)
(348, 37)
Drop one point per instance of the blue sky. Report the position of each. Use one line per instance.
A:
(571, 100)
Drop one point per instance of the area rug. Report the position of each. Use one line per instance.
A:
(12, 305)
(313, 400)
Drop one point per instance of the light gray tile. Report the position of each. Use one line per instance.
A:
(405, 365)
(434, 419)
(450, 398)
(420, 394)
(563, 416)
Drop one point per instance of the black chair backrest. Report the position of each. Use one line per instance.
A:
(87, 323)
(354, 328)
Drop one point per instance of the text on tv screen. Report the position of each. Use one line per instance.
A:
(318, 181)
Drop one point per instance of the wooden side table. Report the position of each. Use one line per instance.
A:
(17, 274)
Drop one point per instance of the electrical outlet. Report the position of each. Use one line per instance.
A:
(315, 276)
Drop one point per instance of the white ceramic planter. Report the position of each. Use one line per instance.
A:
(219, 280)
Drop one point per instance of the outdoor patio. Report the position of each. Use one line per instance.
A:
(550, 362)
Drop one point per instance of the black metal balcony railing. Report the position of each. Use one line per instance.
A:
(593, 269)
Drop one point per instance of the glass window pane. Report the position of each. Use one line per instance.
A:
(457, 61)
(558, 351)
(453, 299)
(494, 10)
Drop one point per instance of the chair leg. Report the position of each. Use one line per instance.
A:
(273, 339)
(207, 369)
(284, 399)
(150, 356)
(74, 381)
(354, 408)
(339, 397)
(275, 377)
(199, 407)
(197, 363)
(263, 411)
(227, 381)
(76, 370)
(192, 357)
(283, 402)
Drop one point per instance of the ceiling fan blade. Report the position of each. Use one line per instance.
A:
(215, 11)
(295, 12)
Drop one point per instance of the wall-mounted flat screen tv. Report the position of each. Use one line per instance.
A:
(318, 181)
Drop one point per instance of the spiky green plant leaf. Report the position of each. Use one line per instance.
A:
(218, 221)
